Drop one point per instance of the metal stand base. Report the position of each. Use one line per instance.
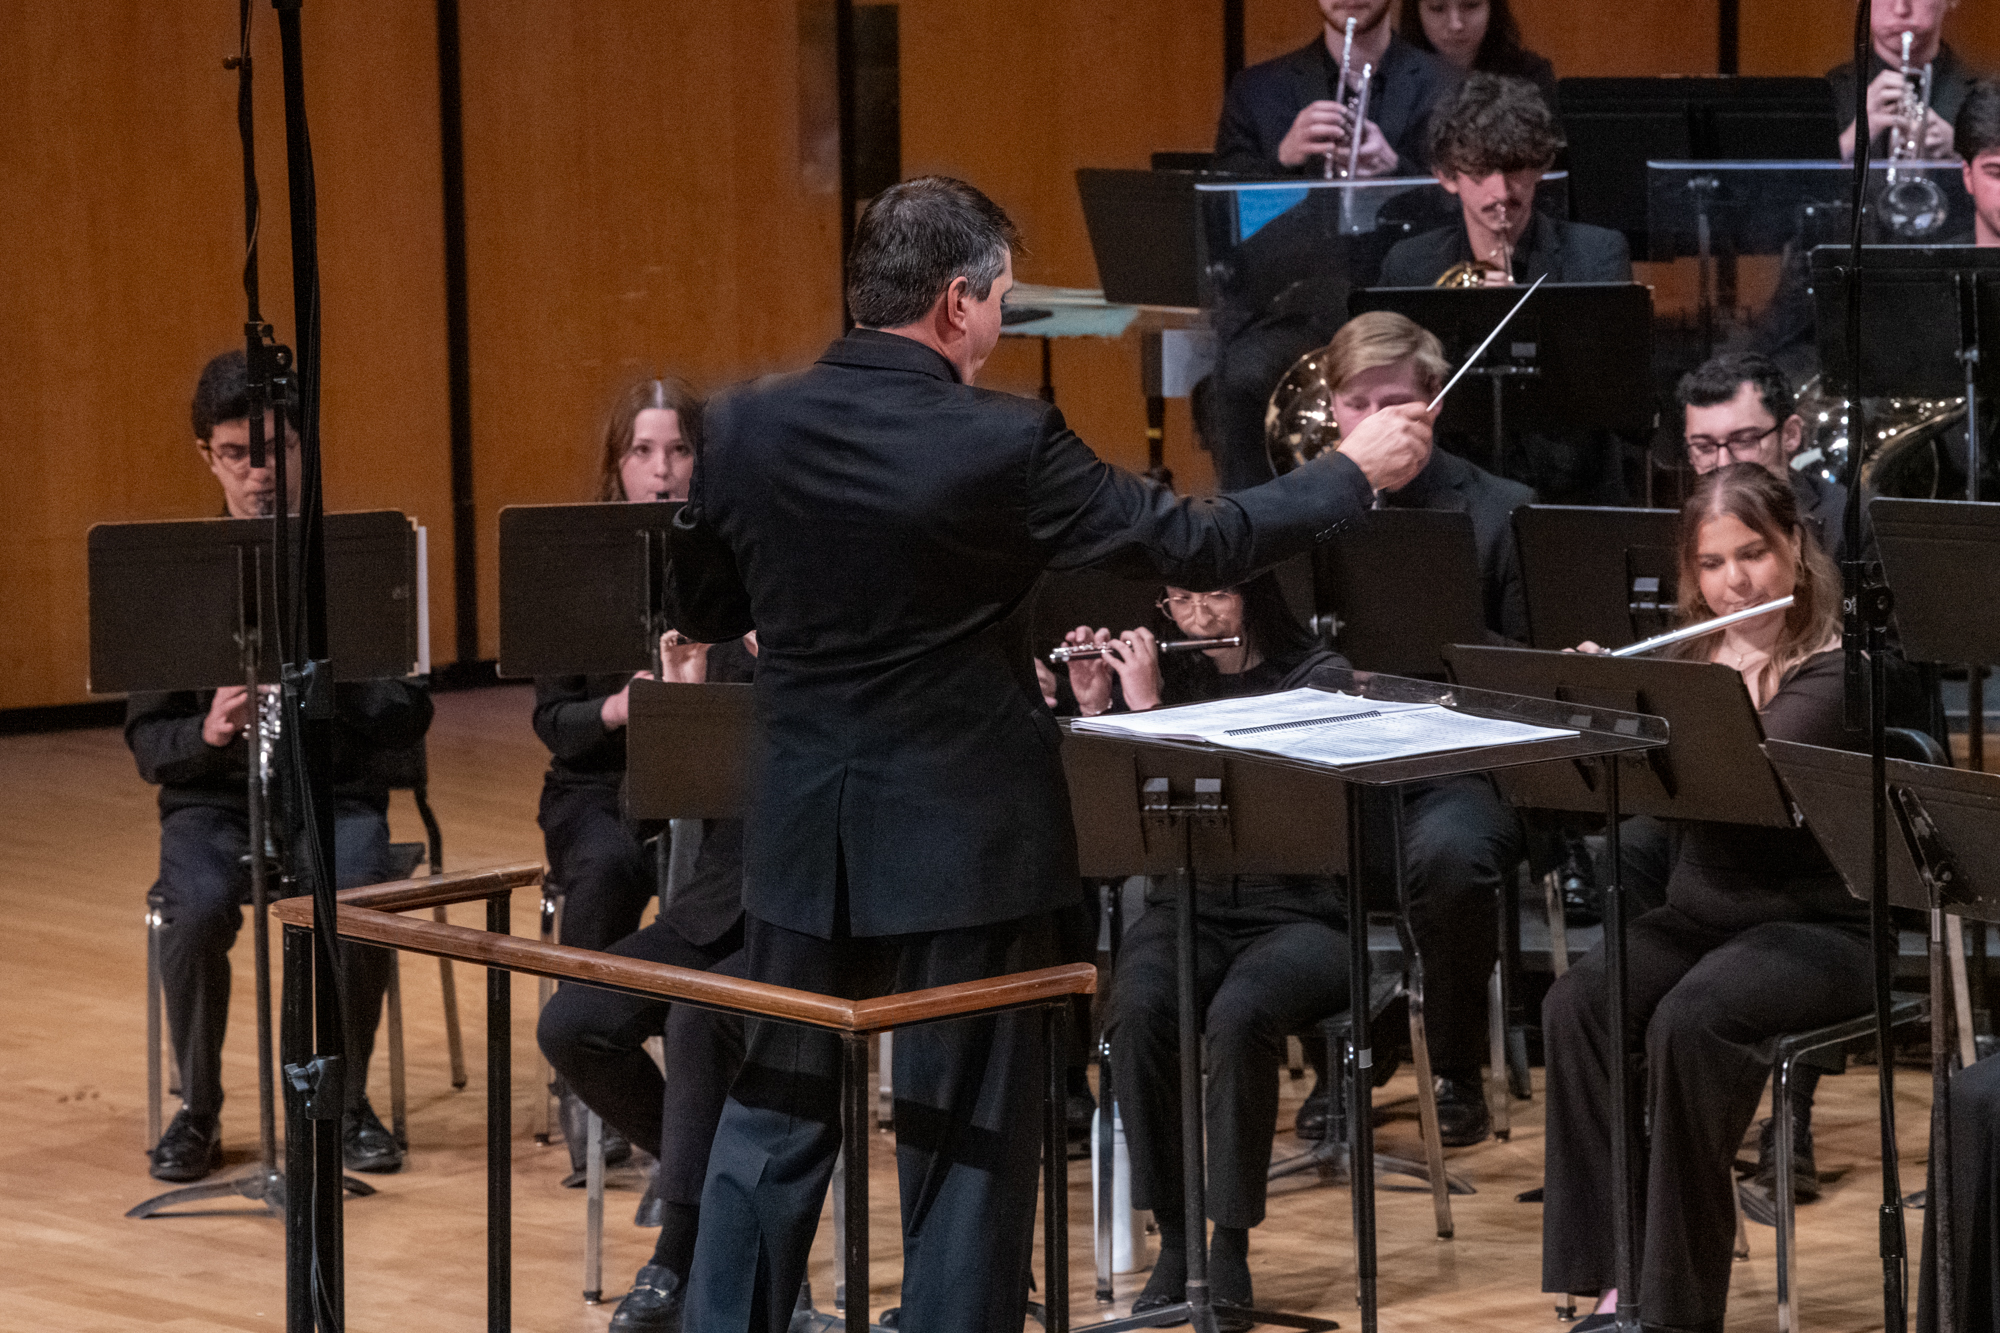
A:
(264, 1185)
(1331, 1160)
(1203, 1318)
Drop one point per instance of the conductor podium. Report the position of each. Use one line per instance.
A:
(1273, 785)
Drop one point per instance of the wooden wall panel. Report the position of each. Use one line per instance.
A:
(634, 201)
(121, 226)
(1777, 41)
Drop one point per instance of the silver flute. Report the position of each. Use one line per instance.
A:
(1082, 652)
(1701, 627)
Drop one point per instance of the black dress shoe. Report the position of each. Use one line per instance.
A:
(654, 1303)
(1166, 1285)
(1463, 1119)
(366, 1143)
(190, 1149)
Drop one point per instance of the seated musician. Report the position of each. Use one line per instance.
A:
(1758, 938)
(595, 1039)
(1976, 135)
(1975, 1206)
(1271, 952)
(1888, 90)
(1738, 408)
(1460, 838)
(593, 854)
(192, 744)
(1476, 35)
(1283, 117)
(1490, 144)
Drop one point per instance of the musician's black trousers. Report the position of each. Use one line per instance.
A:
(967, 1106)
(1261, 971)
(596, 862)
(1975, 1205)
(203, 884)
(1459, 839)
(595, 1040)
(1708, 1007)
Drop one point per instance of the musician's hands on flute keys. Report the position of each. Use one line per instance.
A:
(1134, 656)
(1392, 445)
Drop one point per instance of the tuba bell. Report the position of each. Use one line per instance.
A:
(1900, 456)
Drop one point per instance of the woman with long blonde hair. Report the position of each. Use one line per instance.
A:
(1758, 938)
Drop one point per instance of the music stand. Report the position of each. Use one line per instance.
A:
(1946, 864)
(1577, 358)
(1142, 234)
(1615, 126)
(1396, 583)
(189, 606)
(1711, 769)
(1942, 560)
(583, 588)
(1601, 575)
(1161, 806)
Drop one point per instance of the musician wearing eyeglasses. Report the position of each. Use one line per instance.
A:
(1739, 408)
(1893, 96)
(1288, 116)
(1271, 950)
(192, 745)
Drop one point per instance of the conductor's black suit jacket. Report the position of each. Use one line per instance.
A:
(886, 525)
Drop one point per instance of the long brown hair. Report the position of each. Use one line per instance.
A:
(1765, 505)
(669, 392)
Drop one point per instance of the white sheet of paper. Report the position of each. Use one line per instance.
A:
(1213, 722)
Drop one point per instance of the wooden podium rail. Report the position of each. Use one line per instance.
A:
(371, 914)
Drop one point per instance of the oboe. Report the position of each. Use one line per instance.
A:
(1081, 652)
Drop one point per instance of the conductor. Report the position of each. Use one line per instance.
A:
(881, 523)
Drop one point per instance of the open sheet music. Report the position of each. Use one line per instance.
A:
(1320, 726)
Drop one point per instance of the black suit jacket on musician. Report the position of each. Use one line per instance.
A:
(1265, 99)
(885, 525)
(1565, 251)
(1450, 483)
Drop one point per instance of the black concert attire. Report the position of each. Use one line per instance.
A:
(1823, 509)
(1270, 959)
(1521, 63)
(1758, 938)
(1460, 840)
(1951, 80)
(1265, 99)
(1582, 468)
(205, 874)
(882, 526)
(593, 853)
(1975, 1205)
(595, 1039)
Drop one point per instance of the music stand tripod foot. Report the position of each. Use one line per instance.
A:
(1332, 1162)
(263, 1184)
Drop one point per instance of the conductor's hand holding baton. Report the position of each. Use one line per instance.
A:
(1392, 445)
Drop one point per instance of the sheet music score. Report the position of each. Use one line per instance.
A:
(1321, 727)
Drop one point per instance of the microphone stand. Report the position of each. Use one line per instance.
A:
(1866, 604)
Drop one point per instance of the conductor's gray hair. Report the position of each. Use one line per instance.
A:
(914, 240)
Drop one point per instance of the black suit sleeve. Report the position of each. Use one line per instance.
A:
(164, 733)
(709, 603)
(1239, 140)
(1086, 512)
(568, 717)
(387, 714)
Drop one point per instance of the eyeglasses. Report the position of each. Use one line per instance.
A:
(1742, 446)
(236, 457)
(1175, 603)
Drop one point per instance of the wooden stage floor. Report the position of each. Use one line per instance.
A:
(77, 852)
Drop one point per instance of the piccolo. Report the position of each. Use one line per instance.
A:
(1701, 627)
(1084, 651)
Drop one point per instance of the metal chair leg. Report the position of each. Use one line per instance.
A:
(1961, 991)
(398, 1089)
(545, 1102)
(1558, 928)
(454, 1039)
(1497, 1092)
(885, 1090)
(1741, 1251)
(1295, 1057)
(1781, 1121)
(153, 1006)
(1427, 1113)
(593, 1212)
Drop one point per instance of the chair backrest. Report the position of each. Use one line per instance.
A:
(1918, 747)
(407, 768)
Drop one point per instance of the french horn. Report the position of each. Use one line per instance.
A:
(1298, 420)
(1901, 454)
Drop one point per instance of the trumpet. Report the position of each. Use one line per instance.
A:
(1913, 206)
(1340, 93)
(1083, 652)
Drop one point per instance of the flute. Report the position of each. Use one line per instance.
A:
(1085, 651)
(1701, 627)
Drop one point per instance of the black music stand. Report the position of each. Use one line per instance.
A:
(1578, 357)
(189, 605)
(1142, 234)
(1601, 575)
(1615, 126)
(1942, 560)
(1157, 806)
(583, 588)
(1946, 862)
(1396, 583)
(1711, 769)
